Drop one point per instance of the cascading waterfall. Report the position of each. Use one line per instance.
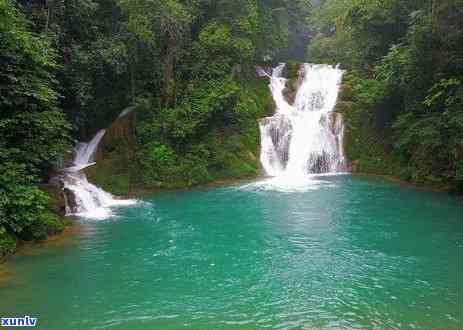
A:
(87, 199)
(307, 137)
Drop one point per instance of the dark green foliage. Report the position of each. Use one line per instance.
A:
(24, 209)
(33, 132)
(197, 110)
(406, 64)
(213, 135)
(292, 69)
(366, 143)
(7, 244)
(202, 124)
(188, 67)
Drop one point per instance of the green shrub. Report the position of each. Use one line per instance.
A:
(292, 69)
(7, 243)
(44, 225)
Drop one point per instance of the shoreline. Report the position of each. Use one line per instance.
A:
(66, 238)
(73, 227)
(396, 179)
(71, 230)
(137, 192)
(25, 248)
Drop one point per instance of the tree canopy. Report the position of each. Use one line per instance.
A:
(69, 67)
(405, 62)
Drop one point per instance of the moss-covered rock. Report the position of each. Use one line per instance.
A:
(115, 166)
(57, 202)
(294, 72)
(292, 69)
(217, 153)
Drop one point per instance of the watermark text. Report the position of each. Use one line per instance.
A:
(25, 321)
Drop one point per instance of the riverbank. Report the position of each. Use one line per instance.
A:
(373, 146)
(10, 244)
(72, 227)
(402, 182)
(25, 248)
(216, 258)
(142, 191)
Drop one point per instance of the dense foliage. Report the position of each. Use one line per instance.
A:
(69, 67)
(187, 68)
(405, 62)
(33, 132)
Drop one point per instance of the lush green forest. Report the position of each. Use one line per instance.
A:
(403, 94)
(69, 67)
(188, 69)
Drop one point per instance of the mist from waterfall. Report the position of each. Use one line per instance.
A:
(305, 138)
(89, 201)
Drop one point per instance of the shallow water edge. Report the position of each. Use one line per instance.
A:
(74, 227)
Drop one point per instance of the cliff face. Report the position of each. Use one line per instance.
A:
(365, 148)
(115, 157)
(344, 107)
(119, 134)
(225, 146)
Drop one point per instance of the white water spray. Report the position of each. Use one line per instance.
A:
(88, 200)
(305, 138)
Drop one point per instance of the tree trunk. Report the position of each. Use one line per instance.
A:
(47, 22)
(132, 82)
(169, 68)
(132, 64)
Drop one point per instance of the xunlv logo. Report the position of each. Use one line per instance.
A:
(25, 321)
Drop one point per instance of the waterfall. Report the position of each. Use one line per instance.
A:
(85, 199)
(84, 153)
(307, 137)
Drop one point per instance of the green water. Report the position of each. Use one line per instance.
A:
(352, 253)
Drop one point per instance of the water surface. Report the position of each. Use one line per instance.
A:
(349, 253)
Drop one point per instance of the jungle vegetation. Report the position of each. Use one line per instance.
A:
(69, 67)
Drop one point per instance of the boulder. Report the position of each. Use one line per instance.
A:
(70, 199)
(55, 190)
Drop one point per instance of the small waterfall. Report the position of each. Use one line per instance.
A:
(307, 137)
(82, 197)
(85, 151)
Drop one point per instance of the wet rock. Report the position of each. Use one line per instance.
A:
(293, 85)
(336, 123)
(264, 72)
(70, 199)
(319, 163)
(55, 190)
(119, 134)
